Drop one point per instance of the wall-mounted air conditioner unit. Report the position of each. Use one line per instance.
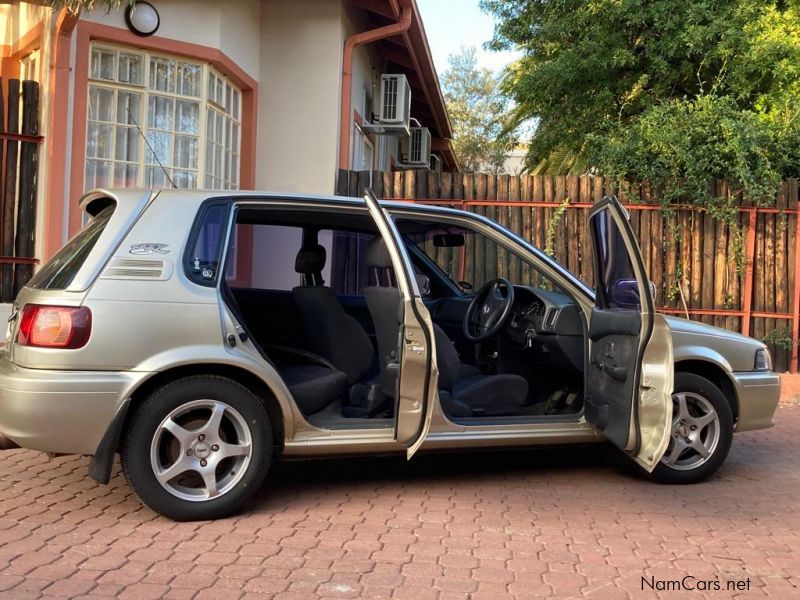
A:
(394, 107)
(415, 149)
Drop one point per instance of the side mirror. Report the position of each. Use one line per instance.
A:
(626, 293)
(448, 240)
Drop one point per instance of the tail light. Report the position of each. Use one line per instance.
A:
(54, 326)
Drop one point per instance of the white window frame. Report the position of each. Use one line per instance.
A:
(230, 178)
(362, 140)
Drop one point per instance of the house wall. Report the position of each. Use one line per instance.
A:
(299, 106)
(367, 69)
(232, 27)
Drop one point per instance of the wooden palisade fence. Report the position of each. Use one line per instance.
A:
(19, 148)
(690, 255)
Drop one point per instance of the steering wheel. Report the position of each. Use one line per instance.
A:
(489, 310)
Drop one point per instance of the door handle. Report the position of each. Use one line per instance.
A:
(618, 373)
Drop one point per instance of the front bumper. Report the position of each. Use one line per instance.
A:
(64, 412)
(758, 394)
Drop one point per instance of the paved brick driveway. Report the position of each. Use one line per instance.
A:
(525, 524)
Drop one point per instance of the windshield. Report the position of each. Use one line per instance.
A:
(470, 259)
(60, 270)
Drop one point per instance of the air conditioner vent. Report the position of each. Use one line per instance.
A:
(415, 150)
(551, 318)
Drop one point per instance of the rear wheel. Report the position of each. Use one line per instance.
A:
(702, 431)
(197, 448)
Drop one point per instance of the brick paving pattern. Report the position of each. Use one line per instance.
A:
(525, 524)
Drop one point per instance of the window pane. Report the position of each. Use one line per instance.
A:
(161, 145)
(125, 175)
(102, 64)
(129, 106)
(203, 262)
(189, 79)
(162, 74)
(99, 140)
(236, 103)
(127, 144)
(184, 179)
(187, 117)
(617, 288)
(160, 113)
(98, 173)
(130, 68)
(185, 152)
(101, 104)
(155, 177)
(60, 270)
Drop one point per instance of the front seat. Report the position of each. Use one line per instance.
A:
(329, 330)
(384, 304)
(466, 392)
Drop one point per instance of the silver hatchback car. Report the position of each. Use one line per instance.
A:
(202, 335)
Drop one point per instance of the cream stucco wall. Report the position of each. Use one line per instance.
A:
(233, 27)
(18, 19)
(300, 80)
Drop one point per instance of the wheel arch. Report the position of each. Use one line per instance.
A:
(716, 375)
(103, 459)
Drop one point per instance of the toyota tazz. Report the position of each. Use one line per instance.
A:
(203, 335)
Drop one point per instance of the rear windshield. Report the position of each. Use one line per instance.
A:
(60, 270)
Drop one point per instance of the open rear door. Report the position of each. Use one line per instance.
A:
(417, 387)
(630, 375)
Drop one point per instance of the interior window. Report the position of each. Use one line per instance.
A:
(349, 271)
(263, 257)
(470, 259)
(617, 288)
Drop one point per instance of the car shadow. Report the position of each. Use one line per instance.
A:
(312, 479)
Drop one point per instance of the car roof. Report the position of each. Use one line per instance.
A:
(195, 194)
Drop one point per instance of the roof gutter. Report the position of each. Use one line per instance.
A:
(353, 42)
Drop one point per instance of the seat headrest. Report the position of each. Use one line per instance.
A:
(377, 255)
(310, 260)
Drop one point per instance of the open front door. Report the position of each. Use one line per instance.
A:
(630, 375)
(417, 382)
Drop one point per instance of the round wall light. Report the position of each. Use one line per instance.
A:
(142, 18)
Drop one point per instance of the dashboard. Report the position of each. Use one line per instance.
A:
(548, 324)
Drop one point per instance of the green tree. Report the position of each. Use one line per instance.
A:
(479, 113)
(675, 91)
(75, 6)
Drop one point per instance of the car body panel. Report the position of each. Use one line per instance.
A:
(185, 324)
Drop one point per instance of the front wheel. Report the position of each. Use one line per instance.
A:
(197, 448)
(702, 431)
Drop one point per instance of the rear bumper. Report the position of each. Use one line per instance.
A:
(65, 412)
(758, 394)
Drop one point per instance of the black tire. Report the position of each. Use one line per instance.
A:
(144, 424)
(695, 384)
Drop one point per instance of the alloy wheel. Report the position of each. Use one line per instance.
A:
(695, 432)
(201, 450)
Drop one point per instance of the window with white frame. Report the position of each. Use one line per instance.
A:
(156, 121)
(363, 150)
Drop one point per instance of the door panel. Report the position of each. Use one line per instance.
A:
(417, 383)
(629, 378)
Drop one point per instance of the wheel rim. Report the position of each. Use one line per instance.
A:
(695, 432)
(201, 450)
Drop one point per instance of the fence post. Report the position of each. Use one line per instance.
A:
(796, 295)
(747, 309)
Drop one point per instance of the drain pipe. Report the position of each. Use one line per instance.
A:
(353, 42)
